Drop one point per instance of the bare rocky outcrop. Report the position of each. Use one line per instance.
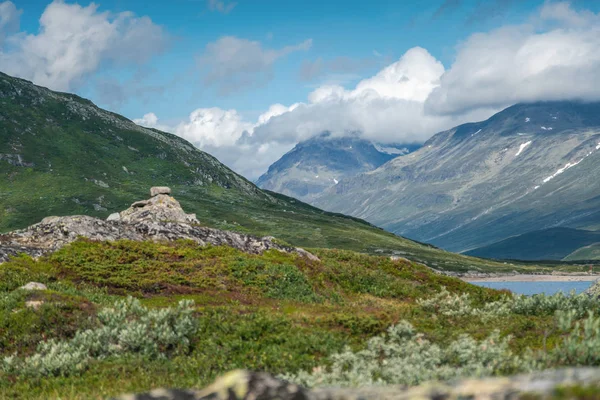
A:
(244, 385)
(160, 218)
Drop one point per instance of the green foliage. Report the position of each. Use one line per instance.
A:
(128, 327)
(58, 315)
(403, 356)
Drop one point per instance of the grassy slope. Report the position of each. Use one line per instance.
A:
(591, 252)
(63, 146)
(547, 244)
(274, 312)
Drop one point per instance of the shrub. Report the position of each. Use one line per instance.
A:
(402, 356)
(126, 328)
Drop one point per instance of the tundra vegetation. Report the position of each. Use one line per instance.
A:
(129, 316)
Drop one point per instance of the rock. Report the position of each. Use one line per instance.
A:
(160, 218)
(594, 289)
(114, 217)
(160, 208)
(34, 304)
(141, 203)
(34, 286)
(244, 385)
(156, 190)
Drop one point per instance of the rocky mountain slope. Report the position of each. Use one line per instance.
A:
(321, 162)
(529, 167)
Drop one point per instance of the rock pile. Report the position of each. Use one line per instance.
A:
(244, 385)
(159, 218)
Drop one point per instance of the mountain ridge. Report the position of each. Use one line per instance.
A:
(509, 171)
(319, 163)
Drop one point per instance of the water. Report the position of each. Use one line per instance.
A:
(530, 288)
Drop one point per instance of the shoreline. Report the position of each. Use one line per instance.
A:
(533, 278)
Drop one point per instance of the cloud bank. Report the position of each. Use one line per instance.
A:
(74, 41)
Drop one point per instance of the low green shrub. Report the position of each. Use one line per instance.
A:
(403, 356)
(126, 328)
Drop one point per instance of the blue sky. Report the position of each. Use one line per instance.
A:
(349, 28)
(283, 53)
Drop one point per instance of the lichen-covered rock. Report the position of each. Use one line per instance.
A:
(159, 208)
(160, 218)
(244, 385)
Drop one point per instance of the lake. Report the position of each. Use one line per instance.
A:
(530, 288)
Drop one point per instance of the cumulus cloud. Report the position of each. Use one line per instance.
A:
(388, 107)
(232, 63)
(74, 41)
(221, 6)
(555, 57)
(9, 20)
(227, 136)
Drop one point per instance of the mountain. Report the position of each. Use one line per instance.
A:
(547, 244)
(321, 162)
(62, 155)
(591, 252)
(529, 167)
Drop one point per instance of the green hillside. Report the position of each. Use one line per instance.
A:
(547, 244)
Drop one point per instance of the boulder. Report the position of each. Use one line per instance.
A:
(34, 286)
(114, 217)
(160, 208)
(156, 190)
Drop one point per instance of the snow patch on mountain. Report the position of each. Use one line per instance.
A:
(522, 147)
(561, 170)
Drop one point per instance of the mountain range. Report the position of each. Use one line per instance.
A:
(62, 155)
(528, 168)
(319, 163)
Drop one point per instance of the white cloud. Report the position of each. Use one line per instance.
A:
(224, 134)
(221, 6)
(9, 19)
(74, 41)
(232, 64)
(389, 107)
(555, 57)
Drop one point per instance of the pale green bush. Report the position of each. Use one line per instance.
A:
(450, 304)
(403, 356)
(581, 343)
(126, 328)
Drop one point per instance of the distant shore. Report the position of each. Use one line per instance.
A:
(533, 278)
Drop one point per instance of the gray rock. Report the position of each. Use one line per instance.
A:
(160, 208)
(34, 286)
(244, 385)
(161, 219)
(114, 217)
(156, 190)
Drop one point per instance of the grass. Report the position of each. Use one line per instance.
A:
(274, 312)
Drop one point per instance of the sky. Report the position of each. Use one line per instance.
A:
(246, 80)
